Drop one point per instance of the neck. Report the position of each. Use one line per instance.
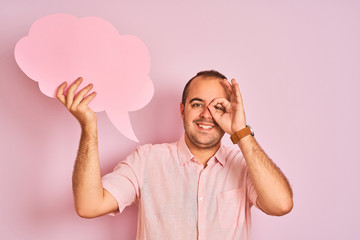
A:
(202, 154)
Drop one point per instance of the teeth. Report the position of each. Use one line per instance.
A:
(205, 127)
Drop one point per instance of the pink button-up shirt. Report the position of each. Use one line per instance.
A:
(180, 199)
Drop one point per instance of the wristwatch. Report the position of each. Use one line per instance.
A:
(236, 136)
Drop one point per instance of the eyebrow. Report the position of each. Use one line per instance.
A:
(196, 99)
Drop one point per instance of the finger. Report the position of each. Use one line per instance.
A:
(229, 89)
(221, 101)
(88, 98)
(79, 97)
(60, 93)
(214, 114)
(227, 86)
(236, 90)
(71, 92)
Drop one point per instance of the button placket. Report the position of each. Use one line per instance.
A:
(202, 204)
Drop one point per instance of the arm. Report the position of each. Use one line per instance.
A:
(91, 200)
(274, 191)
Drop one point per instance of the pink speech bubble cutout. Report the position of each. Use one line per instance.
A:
(61, 47)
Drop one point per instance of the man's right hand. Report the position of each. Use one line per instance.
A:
(91, 199)
(78, 105)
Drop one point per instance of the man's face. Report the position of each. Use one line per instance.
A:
(201, 131)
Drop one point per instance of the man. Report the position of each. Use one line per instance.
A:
(195, 188)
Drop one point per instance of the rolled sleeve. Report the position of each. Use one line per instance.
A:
(124, 181)
(252, 194)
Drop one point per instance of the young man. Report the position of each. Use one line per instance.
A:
(195, 188)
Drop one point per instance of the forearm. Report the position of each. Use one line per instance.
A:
(87, 184)
(273, 189)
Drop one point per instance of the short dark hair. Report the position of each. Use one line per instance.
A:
(207, 73)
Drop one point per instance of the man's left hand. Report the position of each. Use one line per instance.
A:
(232, 116)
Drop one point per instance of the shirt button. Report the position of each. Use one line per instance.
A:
(201, 198)
(202, 226)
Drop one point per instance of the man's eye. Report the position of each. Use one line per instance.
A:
(196, 105)
(220, 108)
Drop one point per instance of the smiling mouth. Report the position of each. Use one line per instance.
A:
(206, 127)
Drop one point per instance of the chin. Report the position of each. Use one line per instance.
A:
(205, 143)
(208, 145)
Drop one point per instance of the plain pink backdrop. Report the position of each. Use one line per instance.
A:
(298, 66)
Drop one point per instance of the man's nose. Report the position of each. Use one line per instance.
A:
(205, 113)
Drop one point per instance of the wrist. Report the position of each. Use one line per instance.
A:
(89, 127)
(242, 133)
(239, 128)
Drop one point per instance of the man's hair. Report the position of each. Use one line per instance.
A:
(207, 73)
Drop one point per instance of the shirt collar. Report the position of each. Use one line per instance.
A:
(183, 151)
(185, 155)
(220, 155)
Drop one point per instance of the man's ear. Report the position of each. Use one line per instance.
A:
(182, 110)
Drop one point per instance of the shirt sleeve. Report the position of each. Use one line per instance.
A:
(124, 181)
(252, 195)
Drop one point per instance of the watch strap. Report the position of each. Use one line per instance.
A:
(236, 136)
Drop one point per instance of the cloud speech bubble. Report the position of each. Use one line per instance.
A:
(61, 47)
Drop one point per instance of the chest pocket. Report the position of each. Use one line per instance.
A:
(231, 207)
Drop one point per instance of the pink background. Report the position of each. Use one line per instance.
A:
(298, 67)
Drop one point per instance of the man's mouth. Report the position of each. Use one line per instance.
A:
(205, 126)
